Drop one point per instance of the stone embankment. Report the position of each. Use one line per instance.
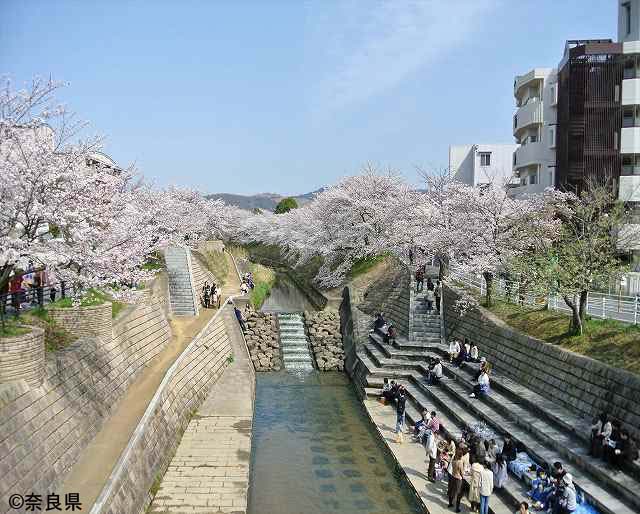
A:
(323, 329)
(262, 341)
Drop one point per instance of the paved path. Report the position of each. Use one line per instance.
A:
(411, 457)
(94, 465)
(210, 470)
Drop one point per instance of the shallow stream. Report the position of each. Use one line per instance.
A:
(314, 451)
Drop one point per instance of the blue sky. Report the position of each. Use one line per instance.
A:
(287, 96)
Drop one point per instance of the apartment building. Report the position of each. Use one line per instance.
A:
(480, 164)
(534, 128)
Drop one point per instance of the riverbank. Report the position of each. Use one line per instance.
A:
(410, 457)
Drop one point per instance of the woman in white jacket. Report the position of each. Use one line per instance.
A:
(486, 488)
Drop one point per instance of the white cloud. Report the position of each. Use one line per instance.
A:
(370, 47)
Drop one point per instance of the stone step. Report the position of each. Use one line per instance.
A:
(453, 396)
(511, 494)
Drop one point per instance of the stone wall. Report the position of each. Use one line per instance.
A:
(44, 429)
(354, 328)
(323, 329)
(182, 391)
(389, 294)
(200, 274)
(584, 385)
(262, 341)
(91, 321)
(22, 358)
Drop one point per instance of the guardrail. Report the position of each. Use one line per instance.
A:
(599, 305)
(24, 299)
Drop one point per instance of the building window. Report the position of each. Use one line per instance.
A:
(616, 93)
(630, 67)
(553, 93)
(515, 121)
(533, 179)
(485, 158)
(631, 164)
(615, 140)
(552, 137)
(627, 16)
(631, 116)
(515, 160)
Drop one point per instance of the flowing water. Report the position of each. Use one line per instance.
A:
(314, 451)
(296, 354)
(286, 297)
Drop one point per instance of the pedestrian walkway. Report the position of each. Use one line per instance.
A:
(411, 458)
(92, 469)
(94, 465)
(210, 470)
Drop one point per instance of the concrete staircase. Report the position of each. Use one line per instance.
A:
(181, 294)
(548, 433)
(296, 354)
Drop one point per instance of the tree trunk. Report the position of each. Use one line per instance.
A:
(488, 278)
(582, 312)
(576, 320)
(444, 267)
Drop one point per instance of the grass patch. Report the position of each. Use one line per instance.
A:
(362, 266)
(55, 337)
(608, 341)
(218, 264)
(264, 278)
(13, 328)
(92, 298)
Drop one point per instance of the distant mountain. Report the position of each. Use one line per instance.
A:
(264, 201)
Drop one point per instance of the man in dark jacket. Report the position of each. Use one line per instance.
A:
(239, 318)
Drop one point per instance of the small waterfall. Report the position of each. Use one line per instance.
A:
(294, 344)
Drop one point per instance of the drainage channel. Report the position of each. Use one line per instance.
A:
(314, 451)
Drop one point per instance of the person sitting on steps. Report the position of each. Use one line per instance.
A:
(390, 335)
(435, 373)
(462, 356)
(474, 353)
(454, 349)
(482, 387)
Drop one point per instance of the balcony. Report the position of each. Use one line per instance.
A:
(527, 115)
(631, 91)
(527, 155)
(529, 189)
(630, 140)
(537, 74)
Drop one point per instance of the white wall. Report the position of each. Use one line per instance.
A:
(465, 163)
(635, 21)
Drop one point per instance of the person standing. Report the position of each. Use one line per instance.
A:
(432, 455)
(486, 488)
(437, 293)
(454, 489)
(500, 475)
(429, 298)
(400, 414)
(239, 317)
(568, 503)
(419, 280)
(474, 485)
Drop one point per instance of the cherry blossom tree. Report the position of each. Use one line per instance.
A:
(65, 211)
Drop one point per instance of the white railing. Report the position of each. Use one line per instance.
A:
(599, 305)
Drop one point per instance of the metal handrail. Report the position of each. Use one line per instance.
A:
(599, 305)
